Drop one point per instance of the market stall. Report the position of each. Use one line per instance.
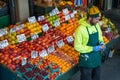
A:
(42, 47)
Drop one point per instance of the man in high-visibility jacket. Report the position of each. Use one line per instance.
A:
(89, 43)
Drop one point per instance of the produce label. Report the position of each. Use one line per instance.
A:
(13, 30)
(72, 15)
(19, 27)
(74, 11)
(56, 10)
(24, 61)
(34, 36)
(34, 54)
(51, 49)
(40, 18)
(67, 17)
(2, 32)
(45, 27)
(32, 19)
(3, 44)
(81, 15)
(52, 13)
(43, 53)
(21, 37)
(60, 43)
(56, 23)
(70, 39)
(65, 11)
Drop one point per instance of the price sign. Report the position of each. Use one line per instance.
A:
(72, 15)
(19, 27)
(3, 44)
(21, 37)
(34, 54)
(56, 10)
(75, 12)
(81, 15)
(60, 43)
(65, 11)
(43, 53)
(51, 13)
(2, 32)
(34, 36)
(51, 49)
(67, 17)
(56, 23)
(40, 18)
(45, 27)
(32, 19)
(70, 39)
(13, 30)
(24, 61)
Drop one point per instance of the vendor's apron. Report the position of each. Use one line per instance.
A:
(92, 59)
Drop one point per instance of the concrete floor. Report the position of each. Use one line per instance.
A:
(111, 67)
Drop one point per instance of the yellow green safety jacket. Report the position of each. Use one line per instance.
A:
(81, 36)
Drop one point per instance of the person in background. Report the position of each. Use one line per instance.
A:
(89, 43)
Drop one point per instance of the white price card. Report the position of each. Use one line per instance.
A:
(19, 27)
(3, 44)
(70, 39)
(65, 11)
(43, 53)
(3, 32)
(67, 17)
(40, 18)
(34, 36)
(75, 12)
(72, 15)
(56, 23)
(45, 27)
(56, 10)
(21, 37)
(24, 61)
(51, 13)
(51, 49)
(32, 19)
(81, 15)
(34, 54)
(60, 43)
(13, 30)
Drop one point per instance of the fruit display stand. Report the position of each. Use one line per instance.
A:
(41, 48)
(4, 71)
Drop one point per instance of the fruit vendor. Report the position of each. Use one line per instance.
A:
(89, 43)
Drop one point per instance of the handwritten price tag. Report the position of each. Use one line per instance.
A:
(21, 37)
(34, 54)
(75, 12)
(32, 19)
(3, 32)
(45, 27)
(67, 17)
(34, 36)
(51, 49)
(24, 61)
(56, 10)
(13, 30)
(65, 11)
(60, 43)
(56, 23)
(3, 44)
(43, 53)
(72, 15)
(40, 18)
(70, 39)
